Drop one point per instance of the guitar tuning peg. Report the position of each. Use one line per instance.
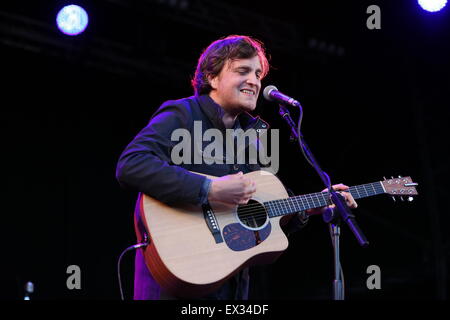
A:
(384, 178)
(410, 199)
(402, 198)
(393, 198)
(399, 176)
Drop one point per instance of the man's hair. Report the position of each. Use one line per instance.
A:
(217, 53)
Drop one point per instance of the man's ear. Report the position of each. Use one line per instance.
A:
(212, 82)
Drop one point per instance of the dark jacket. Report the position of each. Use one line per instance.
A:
(146, 166)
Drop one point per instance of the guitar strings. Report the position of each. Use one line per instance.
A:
(248, 210)
(256, 209)
(262, 210)
(310, 197)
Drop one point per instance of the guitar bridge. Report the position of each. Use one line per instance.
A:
(211, 222)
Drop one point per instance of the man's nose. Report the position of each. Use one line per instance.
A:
(253, 80)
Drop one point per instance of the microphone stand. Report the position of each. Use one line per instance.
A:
(332, 216)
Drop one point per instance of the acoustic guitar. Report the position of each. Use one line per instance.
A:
(194, 250)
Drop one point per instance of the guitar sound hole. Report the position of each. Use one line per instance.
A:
(252, 215)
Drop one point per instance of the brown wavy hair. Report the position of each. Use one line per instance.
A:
(217, 53)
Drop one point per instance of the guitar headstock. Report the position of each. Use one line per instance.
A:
(401, 186)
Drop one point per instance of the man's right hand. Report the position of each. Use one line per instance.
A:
(232, 189)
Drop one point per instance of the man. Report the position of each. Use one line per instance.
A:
(227, 83)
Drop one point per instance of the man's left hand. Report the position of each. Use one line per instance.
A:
(351, 203)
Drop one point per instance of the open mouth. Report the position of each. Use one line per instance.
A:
(248, 92)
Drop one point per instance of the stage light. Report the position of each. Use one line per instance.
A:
(432, 5)
(72, 20)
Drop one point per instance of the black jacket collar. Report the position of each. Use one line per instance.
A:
(214, 112)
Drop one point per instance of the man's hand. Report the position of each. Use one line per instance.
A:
(351, 203)
(232, 189)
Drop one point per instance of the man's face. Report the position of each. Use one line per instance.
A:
(236, 87)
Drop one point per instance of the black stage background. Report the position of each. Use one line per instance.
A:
(375, 104)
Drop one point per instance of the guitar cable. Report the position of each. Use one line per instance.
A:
(133, 247)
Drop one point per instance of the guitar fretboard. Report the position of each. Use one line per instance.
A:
(315, 200)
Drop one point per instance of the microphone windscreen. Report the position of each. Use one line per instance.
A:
(267, 90)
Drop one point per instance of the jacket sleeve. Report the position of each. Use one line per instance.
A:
(145, 165)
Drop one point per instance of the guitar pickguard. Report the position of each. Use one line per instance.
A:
(239, 238)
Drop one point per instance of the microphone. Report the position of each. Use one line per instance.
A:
(271, 93)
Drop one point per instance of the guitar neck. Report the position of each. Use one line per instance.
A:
(291, 205)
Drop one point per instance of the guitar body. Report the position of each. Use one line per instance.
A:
(188, 261)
